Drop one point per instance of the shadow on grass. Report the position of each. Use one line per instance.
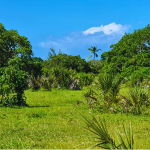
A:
(26, 106)
(39, 106)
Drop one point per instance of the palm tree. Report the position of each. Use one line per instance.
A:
(93, 50)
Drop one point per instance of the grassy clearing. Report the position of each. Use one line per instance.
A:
(52, 122)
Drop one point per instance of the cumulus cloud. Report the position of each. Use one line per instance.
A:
(107, 29)
(76, 42)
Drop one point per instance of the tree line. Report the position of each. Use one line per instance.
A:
(130, 58)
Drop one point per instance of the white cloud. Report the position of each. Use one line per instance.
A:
(78, 42)
(107, 29)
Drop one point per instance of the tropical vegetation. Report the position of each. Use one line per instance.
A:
(117, 84)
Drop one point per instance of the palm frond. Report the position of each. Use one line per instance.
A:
(100, 130)
(89, 57)
(129, 138)
(90, 49)
(97, 50)
(98, 127)
(93, 49)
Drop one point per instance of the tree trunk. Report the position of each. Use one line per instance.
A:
(94, 58)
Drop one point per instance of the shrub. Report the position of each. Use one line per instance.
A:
(13, 83)
(105, 91)
(139, 98)
(46, 82)
(64, 78)
(86, 78)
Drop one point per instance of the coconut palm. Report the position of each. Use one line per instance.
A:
(93, 50)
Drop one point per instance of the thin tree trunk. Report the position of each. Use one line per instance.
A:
(94, 58)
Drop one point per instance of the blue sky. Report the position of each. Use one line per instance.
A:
(73, 25)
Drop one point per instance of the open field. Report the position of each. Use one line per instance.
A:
(52, 121)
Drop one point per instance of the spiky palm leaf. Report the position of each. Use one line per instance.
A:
(104, 139)
(88, 57)
(105, 82)
(129, 138)
(101, 132)
(115, 87)
(139, 97)
(110, 86)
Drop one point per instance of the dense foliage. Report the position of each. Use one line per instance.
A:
(129, 59)
(13, 45)
(131, 53)
(15, 64)
(66, 61)
(127, 62)
(36, 66)
(96, 66)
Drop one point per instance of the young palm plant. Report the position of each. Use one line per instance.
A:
(139, 97)
(107, 86)
(103, 137)
(115, 88)
(47, 82)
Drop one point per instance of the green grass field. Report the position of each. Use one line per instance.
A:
(52, 121)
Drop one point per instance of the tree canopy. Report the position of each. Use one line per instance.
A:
(12, 44)
(37, 59)
(15, 58)
(66, 61)
(131, 53)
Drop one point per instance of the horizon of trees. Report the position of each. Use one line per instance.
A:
(130, 56)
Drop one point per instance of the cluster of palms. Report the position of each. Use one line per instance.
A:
(56, 77)
(106, 93)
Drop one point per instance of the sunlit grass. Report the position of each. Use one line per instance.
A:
(52, 122)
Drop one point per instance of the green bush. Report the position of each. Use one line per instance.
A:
(138, 77)
(139, 97)
(34, 82)
(15, 62)
(105, 90)
(63, 78)
(86, 78)
(131, 53)
(66, 61)
(13, 83)
(46, 82)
